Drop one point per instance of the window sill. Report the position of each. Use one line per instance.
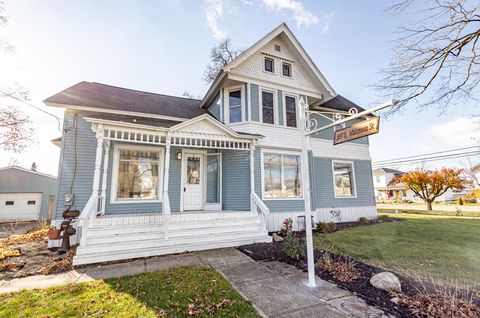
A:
(135, 201)
(345, 197)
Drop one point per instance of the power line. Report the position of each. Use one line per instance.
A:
(428, 159)
(34, 106)
(425, 154)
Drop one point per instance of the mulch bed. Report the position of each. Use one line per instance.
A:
(362, 287)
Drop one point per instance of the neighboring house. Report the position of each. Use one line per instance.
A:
(26, 195)
(156, 174)
(386, 189)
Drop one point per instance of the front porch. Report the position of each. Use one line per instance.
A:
(162, 191)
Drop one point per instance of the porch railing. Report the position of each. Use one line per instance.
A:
(87, 217)
(260, 207)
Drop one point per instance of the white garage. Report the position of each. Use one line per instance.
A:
(20, 206)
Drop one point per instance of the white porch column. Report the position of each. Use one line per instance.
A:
(252, 176)
(306, 192)
(105, 175)
(98, 159)
(166, 175)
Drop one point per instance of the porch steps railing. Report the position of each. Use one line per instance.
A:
(131, 236)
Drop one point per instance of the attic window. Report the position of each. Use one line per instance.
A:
(268, 64)
(277, 47)
(287, 69)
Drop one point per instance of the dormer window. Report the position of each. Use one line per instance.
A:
(235, 106)
(287, 69)
(269, 65)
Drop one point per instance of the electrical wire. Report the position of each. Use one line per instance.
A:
(34, 106)
(425, 154)
(427, 159)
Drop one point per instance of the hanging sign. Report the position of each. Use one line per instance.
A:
(358, 130)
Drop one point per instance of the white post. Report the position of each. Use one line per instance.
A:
(252, 176)
(306, 193)
(98, 159)
(105, 174)
(166, 200)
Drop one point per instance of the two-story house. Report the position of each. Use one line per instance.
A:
(155, 174)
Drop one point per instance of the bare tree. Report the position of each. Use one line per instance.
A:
(437, 53)
(15, 130)
(220, 56)
(471, 170)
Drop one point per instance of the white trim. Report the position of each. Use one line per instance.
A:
(213, 206)
(273, 91)
(115, 165)
(117, 112)
(229, 89)
(353, 176)
(182, 174)
(297, 115)
(262, 174)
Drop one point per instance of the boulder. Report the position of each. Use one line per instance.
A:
(386, 281)
(276, 237)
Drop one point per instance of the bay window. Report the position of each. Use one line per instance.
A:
(343, 178)
(136, 174)
(281, 176)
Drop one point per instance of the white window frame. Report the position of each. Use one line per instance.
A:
(115, 166)
(273, 64)
(291, 69)
(262, 170)
(297, 98)
(275, 105)
(354, 184)
(240, 88)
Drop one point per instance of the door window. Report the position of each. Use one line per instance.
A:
(193, 170)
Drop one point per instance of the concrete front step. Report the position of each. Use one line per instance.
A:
(86, 256)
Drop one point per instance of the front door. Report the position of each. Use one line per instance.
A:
(193, 182)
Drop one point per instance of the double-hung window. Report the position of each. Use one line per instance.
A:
(137, 175)
(269, 65)
(343, 178)
(268, 116)
(281, 176)
(235, 106)
(287, 69)
(291, 111)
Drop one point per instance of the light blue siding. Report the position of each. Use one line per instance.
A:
(85, 160)
(214, 107)
(280, 107)
(175, 180)
(274, 205)
(246, 99)
(324, 195)
(236, 180)
(254, 102)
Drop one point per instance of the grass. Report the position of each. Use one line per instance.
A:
(425, 212)
(432, 247)
(180, 292)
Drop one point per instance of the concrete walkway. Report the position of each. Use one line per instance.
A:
(275, 289)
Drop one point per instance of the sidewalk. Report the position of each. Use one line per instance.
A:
(275, 289)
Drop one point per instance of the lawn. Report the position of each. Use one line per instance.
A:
(444, 213)
(180, 292)
(446, 248)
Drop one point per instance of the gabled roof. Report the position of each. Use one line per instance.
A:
(387, 170)
(118, 100)
(27, 170)
(281, 29)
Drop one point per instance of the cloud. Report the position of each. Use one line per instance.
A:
(458, 132)
(327, 20)
(302, 17)
(213, 10)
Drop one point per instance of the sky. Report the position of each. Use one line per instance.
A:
(163, 46)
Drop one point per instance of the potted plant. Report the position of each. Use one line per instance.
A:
(53, 233)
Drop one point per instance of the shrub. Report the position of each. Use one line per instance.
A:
(293, 247)
(326, 227)
(383, 218)
(363, 220)
(343, 270)
(459, 201)
(287, 227)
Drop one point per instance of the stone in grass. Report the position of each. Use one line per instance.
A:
(386, 281)
(277, 238)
